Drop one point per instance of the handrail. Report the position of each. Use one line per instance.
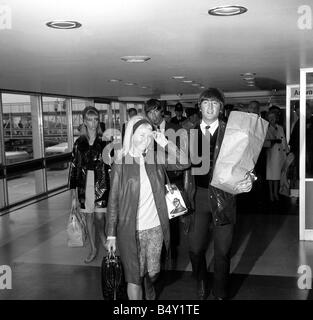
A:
(58, 158)
(13, 169)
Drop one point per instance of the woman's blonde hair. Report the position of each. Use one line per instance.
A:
(90, 111)
(129, 131)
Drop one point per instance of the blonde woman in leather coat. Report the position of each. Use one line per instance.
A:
(138, 222)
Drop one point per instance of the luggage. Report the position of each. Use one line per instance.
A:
(112, 278)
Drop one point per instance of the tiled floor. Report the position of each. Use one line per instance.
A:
(265, 260)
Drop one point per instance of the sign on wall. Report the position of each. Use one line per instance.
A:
(295, 93)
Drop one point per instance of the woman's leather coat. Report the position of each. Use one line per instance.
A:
(84, 158)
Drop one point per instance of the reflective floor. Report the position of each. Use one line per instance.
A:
(266, 256)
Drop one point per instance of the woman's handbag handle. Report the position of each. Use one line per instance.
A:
(111, 254)
(167, 179)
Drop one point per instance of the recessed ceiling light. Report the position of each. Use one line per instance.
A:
(178, 77)
(248, 74)
(114, 80)
(187, 81)
(60, 24)
(248, 78)
(135, 59)
(195, 84)
(130, 84)
(202, 87)
(250, 85)
(227, 11)
(145, 87)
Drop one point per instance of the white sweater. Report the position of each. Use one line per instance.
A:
(147, 215)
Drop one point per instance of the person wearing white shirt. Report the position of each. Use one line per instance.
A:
(211, 204)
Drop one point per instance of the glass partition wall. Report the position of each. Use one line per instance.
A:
(22, 123)
(3, 189)
(35, 145)
(306, 154)
(55, 133)
(36, 140)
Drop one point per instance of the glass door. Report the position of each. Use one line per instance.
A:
(306, 154)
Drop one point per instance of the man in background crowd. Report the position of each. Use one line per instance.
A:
(179, 118)
(192, 120)
(131, 113)
(254, 107)
(167, 116)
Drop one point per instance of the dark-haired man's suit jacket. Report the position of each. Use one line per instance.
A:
(222, 204)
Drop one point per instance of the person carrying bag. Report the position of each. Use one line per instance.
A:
(137, 217)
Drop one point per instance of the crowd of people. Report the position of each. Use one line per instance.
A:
(126, 198)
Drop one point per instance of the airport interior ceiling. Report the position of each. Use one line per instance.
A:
(272, 40)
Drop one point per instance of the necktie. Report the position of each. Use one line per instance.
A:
(207, 133)
(206, 150)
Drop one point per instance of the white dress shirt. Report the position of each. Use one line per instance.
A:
(212, 129)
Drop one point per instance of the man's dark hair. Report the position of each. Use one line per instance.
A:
(274, 108)
(229, 107)
(256, 102)
(130, 110)
(190, 112)
(263, 114)
(296, 105)
(167, 113)
(152, 104)
(178, 107)
(212, 93)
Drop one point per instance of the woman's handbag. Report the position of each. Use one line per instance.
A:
(175, 202)
(112, 278)
(75, 231)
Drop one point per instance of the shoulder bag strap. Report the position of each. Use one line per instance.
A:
(165, 175)
(167, 180)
